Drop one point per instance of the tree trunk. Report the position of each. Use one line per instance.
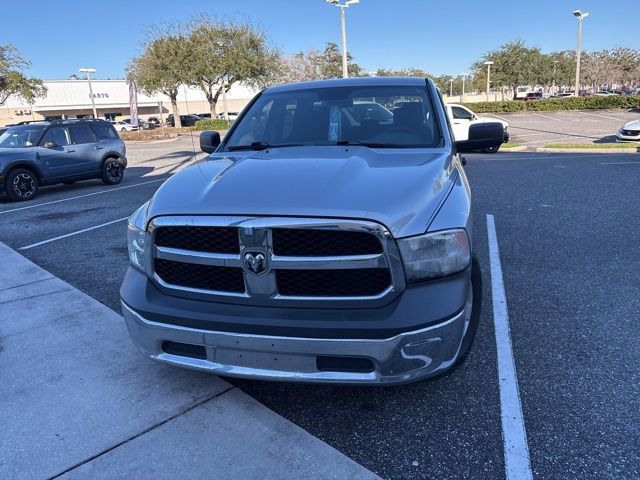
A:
(176, 112)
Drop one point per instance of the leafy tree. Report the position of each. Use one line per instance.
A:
(514, 64)
(316, 65)
(403, 72)
(627, 61)
(235, 51)
(331, 63)
(163, 65)
(12, 78)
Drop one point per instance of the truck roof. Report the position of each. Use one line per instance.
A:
(349, 82)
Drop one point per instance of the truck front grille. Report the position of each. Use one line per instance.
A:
(199, 239)
(275, 261)
(314, 243)
(201, 277)
(359, 282)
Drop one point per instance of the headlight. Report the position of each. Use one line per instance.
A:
(435, 255)
(136, 235)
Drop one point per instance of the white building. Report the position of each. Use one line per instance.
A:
(71, 99)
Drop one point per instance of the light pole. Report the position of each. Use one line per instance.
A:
(553, 84)
(343, 23)
(488, 63)
(450, 87)
(464, 76)
(93, 102)
(581, 16)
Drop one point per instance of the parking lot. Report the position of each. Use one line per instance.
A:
(566, 234)
(537, 129)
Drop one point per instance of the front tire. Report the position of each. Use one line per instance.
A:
(21, 185)
(493, 149)
(112, 171)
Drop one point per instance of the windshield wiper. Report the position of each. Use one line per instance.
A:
(261, 145)
(368, 144)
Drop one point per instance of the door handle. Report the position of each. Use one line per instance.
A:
(98, 148)
(70, 151)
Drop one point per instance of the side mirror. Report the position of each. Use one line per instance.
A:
(209, 141)
(482, 135)
(50, 145)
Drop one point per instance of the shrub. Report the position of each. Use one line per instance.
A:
(567, 103)
(212, 124)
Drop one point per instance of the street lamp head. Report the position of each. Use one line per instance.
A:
(342, 4)
(580, 14)
(87, 70)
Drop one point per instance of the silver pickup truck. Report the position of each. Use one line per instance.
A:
(327, 238)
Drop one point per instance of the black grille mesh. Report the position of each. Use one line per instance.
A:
(333, 283)
(318, 243)
(200, 239)
(202, 277)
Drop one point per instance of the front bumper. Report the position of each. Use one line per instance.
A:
(403, 358)
(627, 138)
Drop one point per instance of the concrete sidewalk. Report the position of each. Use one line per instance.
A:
(78, 401)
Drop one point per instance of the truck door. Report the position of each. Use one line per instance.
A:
(460, 120)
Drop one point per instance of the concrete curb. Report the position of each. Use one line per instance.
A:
(588, 150)
(80, 402)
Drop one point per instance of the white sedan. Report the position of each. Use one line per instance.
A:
(121, 126)
(629, 132)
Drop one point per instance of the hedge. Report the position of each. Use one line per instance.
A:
(212, 124)
(566, 103)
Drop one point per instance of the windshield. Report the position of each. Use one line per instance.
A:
(380, 117)
(22, 136)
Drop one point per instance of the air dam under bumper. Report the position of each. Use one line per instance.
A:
(403, 358)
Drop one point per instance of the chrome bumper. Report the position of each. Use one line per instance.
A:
(401, 359)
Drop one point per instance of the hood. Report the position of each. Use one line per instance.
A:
(492, 119)
(400, 188)
(633, 125)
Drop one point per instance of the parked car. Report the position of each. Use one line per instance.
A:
(154, 121)
(533, 96)
(462, 118)
(62, 151)
(122, 126)
(605, 93)
(185, 120)
(629, 132)
(310, 248)
(142, 124)
(204, 116)
(232, 116)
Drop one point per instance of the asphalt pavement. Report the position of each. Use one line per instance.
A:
(538, 129)
(567, 229)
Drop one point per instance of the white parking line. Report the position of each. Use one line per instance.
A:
(544, 116)
(72, 234)
(516, 450)
(81, 196)
(600, 116)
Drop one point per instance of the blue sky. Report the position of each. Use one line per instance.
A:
(441, 37)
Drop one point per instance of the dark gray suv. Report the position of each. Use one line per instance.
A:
(62, 151)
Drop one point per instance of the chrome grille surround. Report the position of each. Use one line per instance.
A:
(255, 236)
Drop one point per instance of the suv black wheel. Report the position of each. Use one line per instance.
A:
(20, 185)
(112, 171)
